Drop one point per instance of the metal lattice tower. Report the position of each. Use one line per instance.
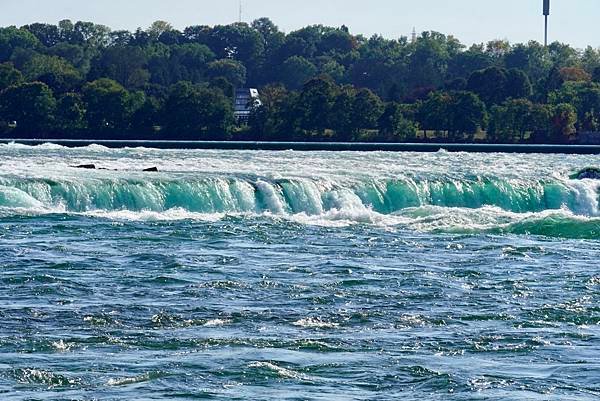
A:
(546, 14)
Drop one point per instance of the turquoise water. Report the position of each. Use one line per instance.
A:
(297, 276)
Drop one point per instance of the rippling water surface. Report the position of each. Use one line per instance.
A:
(289, 275)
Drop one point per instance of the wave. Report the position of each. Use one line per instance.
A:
(293, 196)
(465, 205)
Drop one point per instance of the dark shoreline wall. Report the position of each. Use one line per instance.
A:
(319, 146)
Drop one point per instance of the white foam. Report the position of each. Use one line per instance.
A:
(216, 322)
(148, 215)
(280, 371)
(315, 323)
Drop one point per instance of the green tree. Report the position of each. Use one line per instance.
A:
(430, 57)
(70, 113)
(278, 117)
(107, 105)
(146, 117)
(513, 117)
(531, 58)
(31, 105)
(232, 70)
(336, 40)
(77, 55)
(541, 116)
(239, 42)
(296, 71)
(465, 63)
(158, 28)
(517, 84)
(489, 84)
(54, 71)
(47, 34)
(467, 115)
(585, 98)
(315, 104)
(433, 113)
(342, 114)
(394, 126)
(332, 68)
(126, 65)
(198, 112)
(596, 75)
(563, 122)
(12, 38)
(366, 110)
(9, 76)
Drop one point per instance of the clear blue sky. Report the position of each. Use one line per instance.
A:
(573, 21)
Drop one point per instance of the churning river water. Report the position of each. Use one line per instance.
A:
(249, 275)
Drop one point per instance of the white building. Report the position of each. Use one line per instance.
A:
(245, 100)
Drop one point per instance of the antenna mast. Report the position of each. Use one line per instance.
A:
(241, 11)
(546, 14)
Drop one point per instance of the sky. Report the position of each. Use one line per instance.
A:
(576, 22)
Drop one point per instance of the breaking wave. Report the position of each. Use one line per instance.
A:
(553, 207)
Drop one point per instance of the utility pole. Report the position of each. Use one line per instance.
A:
(546, 14)
(241, 12)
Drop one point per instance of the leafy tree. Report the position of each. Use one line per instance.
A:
(273, 39)
(31, 105)
(332, 68)
(232, 70)
(489, 84)
(434, 112)
(47, 34)
(107, 105)
(541, 115)
(336, 40)
(224, 86)
(467, 115)
(513, 117)
(315, 104)
(563, 122)
(159, 28)
(77, 55)
(590, 59)
(596, 75)
(531, 58)
(146, 117)
(126, 65)
(296, 71)
(517, 84)
(239, 42)
(278, 117)
(394, 127)
(366, 110)
(430, 58)
(54, 71)
(463, 64)
(91, 34)
(342, 119)
(498, 50)
(12, 38)
(9, 76)
(70, 113)
(198, 112)
(585, 97)
(562, 55)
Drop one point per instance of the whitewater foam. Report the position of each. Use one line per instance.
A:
(423, 192)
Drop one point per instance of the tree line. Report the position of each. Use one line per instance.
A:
(319, 83)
